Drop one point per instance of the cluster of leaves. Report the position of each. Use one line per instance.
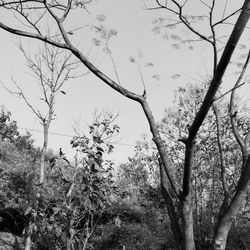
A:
(103, 34)
(101, 131)
(166, 27)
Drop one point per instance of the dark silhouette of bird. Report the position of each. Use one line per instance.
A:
(61, 152)
(62, 155)
(63, 92)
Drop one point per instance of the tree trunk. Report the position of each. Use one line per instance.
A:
(187, 218)
(28, 243)
(225, 221)
(173, 216)
(173, 184)
(44, 149)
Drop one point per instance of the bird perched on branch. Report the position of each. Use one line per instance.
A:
(62, 155)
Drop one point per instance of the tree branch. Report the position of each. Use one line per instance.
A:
(33, 35)
(220, 70)
(227, 92)
(232, 109)
(221, 153)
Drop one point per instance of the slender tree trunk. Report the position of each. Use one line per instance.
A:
(213, 196)
(201, 212)
(44, 149)
(185, 196)
(69, 244)
(28, 243)
(196, 202)
(173, 216)
(187, 217)
(225, 221)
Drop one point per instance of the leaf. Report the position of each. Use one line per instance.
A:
(96, 42)
(118, 221)
(175, 76)
(156, 30)
(113, 32)
(98, 29)
(107, 50)
(175, 37)
(149, 64)
(56, 209)
(131, 59)
(176, 46)
(240, 65)
(242, 46)
(101, 17)
(156, 77)
(99, 149)
(27, 211)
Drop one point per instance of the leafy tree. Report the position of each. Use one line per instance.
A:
(217, 156)
(178, 197)
(67, 212)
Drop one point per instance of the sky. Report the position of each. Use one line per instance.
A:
(134, 24)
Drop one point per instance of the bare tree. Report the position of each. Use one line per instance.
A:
(51, 68)
(178, 197)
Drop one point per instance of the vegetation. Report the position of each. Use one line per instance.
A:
(201, 161)
(92, 204)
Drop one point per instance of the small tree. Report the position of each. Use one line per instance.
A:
(80, 192)
(51, 68)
